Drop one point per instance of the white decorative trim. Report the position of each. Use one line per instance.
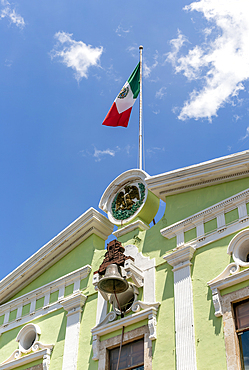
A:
(197, 176)
(229, 277)
(24, 333)
(184, 311)
(109, 327)
(217, 302)
(73, 305)
(134, 272)
(101, 308)
(216, 235)
(239, 248)
(234, 279)
(147, 266)
(131, 227)
(44, 291)
(39, 351)
(91, 222)
(128, 177)
(208, 214)
(179, 257)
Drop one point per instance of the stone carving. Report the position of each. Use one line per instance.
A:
(95, 346)
(217, 303)
(114, 254)
(152, 325)
(137, 305)
(111, 316)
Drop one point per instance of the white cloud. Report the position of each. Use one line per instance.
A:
(120, 31)
(160, 93)
(99, 154)
(76, 54)
(222, 64)
(236, 117)
(153, 151)
(176, 45)
(246, 135)
(148, 69)
(10, 13)
(8, 63)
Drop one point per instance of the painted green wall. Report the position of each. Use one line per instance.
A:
(53, 328)
(207, 263)
(234, 288)
(80, 256)
(183, 205)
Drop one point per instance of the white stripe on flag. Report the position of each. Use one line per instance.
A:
(123, 104)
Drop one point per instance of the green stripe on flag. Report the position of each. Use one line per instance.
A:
(134, 81)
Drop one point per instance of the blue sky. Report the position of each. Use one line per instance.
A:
(62, 63)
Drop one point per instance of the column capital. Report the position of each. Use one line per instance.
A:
(74, 302)
(180, 257)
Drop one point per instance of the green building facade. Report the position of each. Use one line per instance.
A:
(187, 305)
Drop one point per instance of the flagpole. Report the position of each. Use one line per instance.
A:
(140, 113)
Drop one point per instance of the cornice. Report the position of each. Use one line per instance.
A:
(200, 175)
(229, 281)
(205, 215)
(90, 222)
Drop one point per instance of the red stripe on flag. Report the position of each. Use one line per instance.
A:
(115, 119)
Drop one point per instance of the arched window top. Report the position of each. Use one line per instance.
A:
(239, 248)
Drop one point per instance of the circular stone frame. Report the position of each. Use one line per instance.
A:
(27, 336)
(239, 248)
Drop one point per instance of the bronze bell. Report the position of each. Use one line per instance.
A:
(113, 282)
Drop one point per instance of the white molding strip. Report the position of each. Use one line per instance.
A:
(184, 311)
(131, 227)
(197, 176)
(90, 222)
(44, 291)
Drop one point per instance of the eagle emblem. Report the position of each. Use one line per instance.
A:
(127, 197)
(124, 92)
(128, 201)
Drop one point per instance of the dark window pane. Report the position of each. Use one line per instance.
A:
(242, 315)
(132, 354)
(244, 347)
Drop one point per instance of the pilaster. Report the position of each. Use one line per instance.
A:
(73, 305)
(184, 313)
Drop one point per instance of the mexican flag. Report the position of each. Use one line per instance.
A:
(120, 111)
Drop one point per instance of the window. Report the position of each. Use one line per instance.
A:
(242, 328)
(132, 356)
